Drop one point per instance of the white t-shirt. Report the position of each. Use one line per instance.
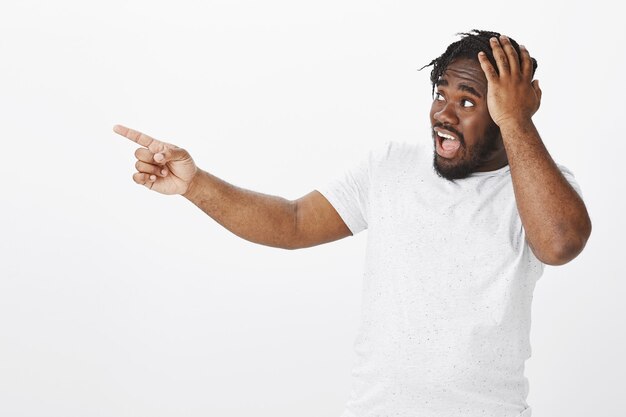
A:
(447, 288)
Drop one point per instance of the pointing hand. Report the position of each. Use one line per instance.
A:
(162, 167)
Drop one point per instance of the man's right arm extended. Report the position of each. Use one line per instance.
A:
(264, 219)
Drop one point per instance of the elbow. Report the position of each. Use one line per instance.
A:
(563, 250)
(291, 247)
(559, 256)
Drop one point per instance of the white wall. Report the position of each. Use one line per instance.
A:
(115, 301)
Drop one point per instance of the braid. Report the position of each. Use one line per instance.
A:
(468, 46)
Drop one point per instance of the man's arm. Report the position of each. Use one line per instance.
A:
(554, 216)
(265, 219)
(259, 218)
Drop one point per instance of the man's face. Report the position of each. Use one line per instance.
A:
(466, 138)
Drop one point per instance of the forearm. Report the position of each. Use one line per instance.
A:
(259, 218)
(554, 216)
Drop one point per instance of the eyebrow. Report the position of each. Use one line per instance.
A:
(463, 87)
(470, 89)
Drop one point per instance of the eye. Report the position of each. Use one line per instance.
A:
(439, 96)
(466, 103)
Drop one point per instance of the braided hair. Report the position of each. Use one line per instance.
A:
(468, 46)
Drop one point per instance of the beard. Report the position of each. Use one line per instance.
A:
(472, 159)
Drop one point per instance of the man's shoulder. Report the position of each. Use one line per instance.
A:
(397, 150)
(570, 177)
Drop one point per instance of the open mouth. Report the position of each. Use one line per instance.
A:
(447, 144)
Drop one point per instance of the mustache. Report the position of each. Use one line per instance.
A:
(450, 129)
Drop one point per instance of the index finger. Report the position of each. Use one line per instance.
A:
(134, 135)
(511, 54)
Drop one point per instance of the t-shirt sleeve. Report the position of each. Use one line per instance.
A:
(349, 194)
(569, 176)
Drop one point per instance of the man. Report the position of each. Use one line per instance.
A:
(453, 252)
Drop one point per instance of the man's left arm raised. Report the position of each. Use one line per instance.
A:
(554, 216)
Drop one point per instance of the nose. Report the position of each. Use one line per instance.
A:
(447, 114)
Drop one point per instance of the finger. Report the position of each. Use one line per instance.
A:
(150, 169)
(170, 154)
(527, 63)
(501, 60)
(144, 179)
(511, 54)
(488, 69)
(145, 155)
(134, 135)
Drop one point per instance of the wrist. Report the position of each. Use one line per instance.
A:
(193, 187)
(515, 125)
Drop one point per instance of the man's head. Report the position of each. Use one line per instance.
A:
(466, 138)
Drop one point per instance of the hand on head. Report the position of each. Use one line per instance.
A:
(161, 166)
(512, 95)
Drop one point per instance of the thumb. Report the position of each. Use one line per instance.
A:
(170, 155)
